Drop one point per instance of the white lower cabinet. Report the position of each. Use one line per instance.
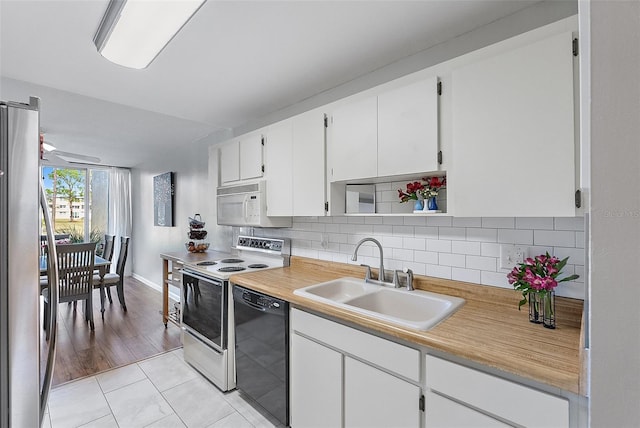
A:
(373, 398)
(343, 377)
(316, 384)
(442, 412)
(477, 399)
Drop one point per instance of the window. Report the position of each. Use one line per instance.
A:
(80, 197)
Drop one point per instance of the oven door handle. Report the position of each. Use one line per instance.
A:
(202, 277)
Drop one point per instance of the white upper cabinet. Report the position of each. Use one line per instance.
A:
(230, 162)
(408, 129)
(309, 164)
(392, 133)
(353, 150)
(278, 162)
(241, 158)
(513, 141)
(294, 154)
(251, 156)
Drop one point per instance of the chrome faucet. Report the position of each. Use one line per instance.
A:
(409, 274)
(355, 256)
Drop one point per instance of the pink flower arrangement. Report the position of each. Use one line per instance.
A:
(417, 190)
(538, 275)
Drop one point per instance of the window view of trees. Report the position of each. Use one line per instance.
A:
(77, 209)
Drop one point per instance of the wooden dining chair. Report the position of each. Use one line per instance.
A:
(107, 250)
(75, 278)
(117, 278)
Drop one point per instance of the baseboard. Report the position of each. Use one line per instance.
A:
(145, 281)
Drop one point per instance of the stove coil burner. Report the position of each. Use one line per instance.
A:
(231, 269)
(207, 263)
(257, 266)
(231, 261)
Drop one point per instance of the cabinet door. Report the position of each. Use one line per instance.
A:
(440, 412)
(230, 162)
(251, 156)
(353, 148)
(316, 384)
(513, 133)
(277, 159)
(408, 129)
(374, 398)
(309, 164)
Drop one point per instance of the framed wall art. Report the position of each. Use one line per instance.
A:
(163, 199)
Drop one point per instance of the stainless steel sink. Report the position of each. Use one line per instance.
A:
(420, 310)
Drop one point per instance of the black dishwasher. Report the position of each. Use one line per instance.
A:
(262, 350)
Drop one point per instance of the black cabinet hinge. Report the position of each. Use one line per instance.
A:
(326, 121)
(262, 168)
(574, 46)
(421, 403)
(578, 198)
(326, 206)
(439, 88)
(440, 157)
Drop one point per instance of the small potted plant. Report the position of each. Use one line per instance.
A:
(537, 279)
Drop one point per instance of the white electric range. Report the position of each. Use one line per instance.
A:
(207, 304)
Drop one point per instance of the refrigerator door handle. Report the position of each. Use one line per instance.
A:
(52, 272)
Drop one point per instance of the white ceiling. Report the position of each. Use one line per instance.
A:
(234, 62)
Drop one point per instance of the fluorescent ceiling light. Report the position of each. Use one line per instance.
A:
(133, 32)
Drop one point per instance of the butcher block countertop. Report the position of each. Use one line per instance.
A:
(488, 329)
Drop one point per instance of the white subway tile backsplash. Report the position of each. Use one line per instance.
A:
(414, 243)
(380, 229)
(439, 245)
(392, 241)
(515, 236)
(403, 230)
(465, 249)
(497, 279)
(449, 259)
(401, 254)
(499, 222)
(373, 220)
(482, 235)
(481, 263)
(430, 257)
(569, 223)
(426, 232)
(554, 238)
(534, 223)
(439, 271)
(452, 233)
(417, 220)
(489, 249)
(467, 275)
(576, 255)
(394, 221)
(467, 222)
(438, 221)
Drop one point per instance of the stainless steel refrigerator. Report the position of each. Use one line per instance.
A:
(23, 391)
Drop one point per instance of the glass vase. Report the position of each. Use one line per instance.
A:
(417, 206)
(535, 307)
(549, 309)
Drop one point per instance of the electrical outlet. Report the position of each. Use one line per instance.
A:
(511, 255)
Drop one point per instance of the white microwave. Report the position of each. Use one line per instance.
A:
(246, 205)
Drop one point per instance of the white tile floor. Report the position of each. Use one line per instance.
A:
(160, 392)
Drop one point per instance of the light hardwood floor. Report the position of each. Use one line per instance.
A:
(121, 338)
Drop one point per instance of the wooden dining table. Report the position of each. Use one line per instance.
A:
(100, 264)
